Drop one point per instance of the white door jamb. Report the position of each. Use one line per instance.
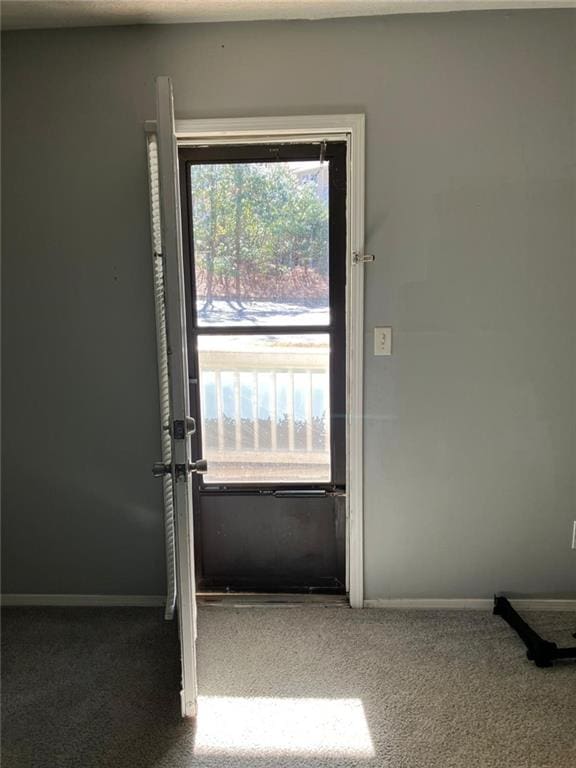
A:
(349, 128)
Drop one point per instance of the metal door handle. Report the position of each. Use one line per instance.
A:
(159, 469)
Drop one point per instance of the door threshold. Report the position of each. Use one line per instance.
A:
(266, 600)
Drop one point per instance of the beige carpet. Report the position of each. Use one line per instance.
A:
(285, 688)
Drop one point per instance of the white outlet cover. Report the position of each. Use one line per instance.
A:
(383, 341)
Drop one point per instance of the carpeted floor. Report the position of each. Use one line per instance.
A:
(284, 688)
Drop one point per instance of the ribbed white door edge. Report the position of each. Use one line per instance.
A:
(172, 253)
(163, 378)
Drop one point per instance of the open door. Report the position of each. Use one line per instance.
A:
(177, 466)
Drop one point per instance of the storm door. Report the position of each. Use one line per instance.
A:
(264, 231)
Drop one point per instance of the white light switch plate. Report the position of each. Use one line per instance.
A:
(382, 341)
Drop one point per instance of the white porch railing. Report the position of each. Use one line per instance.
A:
(265, 412)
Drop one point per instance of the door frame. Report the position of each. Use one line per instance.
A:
(351, 129)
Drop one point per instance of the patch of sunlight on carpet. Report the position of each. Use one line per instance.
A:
(282, 726)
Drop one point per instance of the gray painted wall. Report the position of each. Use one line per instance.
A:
(470, 426)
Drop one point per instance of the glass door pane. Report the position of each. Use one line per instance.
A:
(265, 407)
(260, 232)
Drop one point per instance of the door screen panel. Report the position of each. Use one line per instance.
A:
(261, 243)
(265, 407)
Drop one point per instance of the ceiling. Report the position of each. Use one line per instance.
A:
(41, 14)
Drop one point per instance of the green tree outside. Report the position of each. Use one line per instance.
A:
(260, 232)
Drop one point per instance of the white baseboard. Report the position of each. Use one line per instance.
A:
(470, 604)
(87, 601)
(155, 601)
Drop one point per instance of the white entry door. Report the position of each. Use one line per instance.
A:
(180, 425)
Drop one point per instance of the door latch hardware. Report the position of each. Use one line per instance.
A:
(200, 466)
(362, 258)
(159, 469)
(183, 427)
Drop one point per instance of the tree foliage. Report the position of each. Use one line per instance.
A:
(260, 231)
